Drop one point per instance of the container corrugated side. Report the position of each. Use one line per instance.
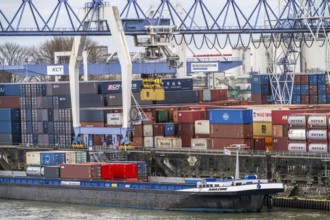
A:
(202, 127)
(262, 129)
(230, 116)
(200, 143)
(33, 158)
(148, 130)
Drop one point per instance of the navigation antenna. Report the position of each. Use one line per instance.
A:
(236, 147)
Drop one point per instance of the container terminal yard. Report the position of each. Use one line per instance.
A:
(179, 113)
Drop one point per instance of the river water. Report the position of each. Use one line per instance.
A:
(14, 209)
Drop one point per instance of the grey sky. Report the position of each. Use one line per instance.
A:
(9, 7)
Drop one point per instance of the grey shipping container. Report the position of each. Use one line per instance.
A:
(52, 172)
(10, 138)
(186, 96)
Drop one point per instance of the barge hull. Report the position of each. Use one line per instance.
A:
(132, 198)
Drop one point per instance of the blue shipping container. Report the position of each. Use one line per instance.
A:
(296, 90)
(260, 89)
(312, 79)
(260, 79)
(321, 89)
(2, 90)
(304, 90)
(9, 127)
(52, 158)
(10, 114)
(322, 99)
(169, 129)
(12, 89)
(177, 84)
(321, 79)
(296, 99)
(230, 116)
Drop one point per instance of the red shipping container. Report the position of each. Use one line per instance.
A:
(124, 170)
(106, 171)
(138, 141)
(202, 136)
(231, 130)
(328, 88)
(158, 129)
(137, 131)
(304, 80)
(259, 144)
(117, 110)
(221, 143)
(191, 116)
(313, 99)
(150, 118)
(312, 89)
(92, 124)
(186, 140)
(186, 129)
(280, 117)
(297, 79)
(280, 144)
(215, 95)
(10, 102)
(223, 94)
(259, 99)
(304, 99)
(280, 131)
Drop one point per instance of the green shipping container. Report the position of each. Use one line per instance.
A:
(162, 116)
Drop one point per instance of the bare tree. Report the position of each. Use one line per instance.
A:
(44, 54)
(12, 54)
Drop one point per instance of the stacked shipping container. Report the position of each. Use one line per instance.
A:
(309, 89)
(231, 126)
(10, 126)
(262, 129)
(260, 88)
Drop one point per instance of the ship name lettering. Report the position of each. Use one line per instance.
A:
(217, 189)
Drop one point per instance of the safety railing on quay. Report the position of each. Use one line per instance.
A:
(100, 148)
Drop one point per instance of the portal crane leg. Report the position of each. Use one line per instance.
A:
(111, 14)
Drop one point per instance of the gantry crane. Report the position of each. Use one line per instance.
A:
(119, 135)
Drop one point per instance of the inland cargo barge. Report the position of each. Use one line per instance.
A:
(243, 195)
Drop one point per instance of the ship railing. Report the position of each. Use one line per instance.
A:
(322, 156)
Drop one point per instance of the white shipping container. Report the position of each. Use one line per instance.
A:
(297, 120)
(33, 158)
(297, 147)
(297, 134)
(148, 130)
(70, 157)
(262, 115)
(114, 118)
(317, 121)
(149, 142)
(169, 143)
(156, 140)
(200, 143)
(202, 127)
(315, 134)
(318, 148)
